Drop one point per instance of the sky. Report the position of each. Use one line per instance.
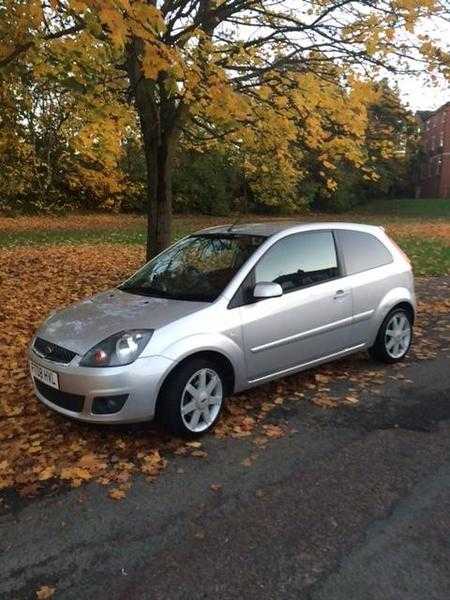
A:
(420, 95)
(417, 91)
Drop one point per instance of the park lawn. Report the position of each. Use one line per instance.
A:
(426, 239)
(436, 208)
(429, 257)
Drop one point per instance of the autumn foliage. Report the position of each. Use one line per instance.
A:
(285, 90)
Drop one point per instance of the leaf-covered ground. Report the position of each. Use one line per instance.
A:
(40, 450)
(425, 240)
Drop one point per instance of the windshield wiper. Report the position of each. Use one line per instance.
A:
(153, 292)
(145, 291)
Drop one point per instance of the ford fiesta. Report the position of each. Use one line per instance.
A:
(220, 311)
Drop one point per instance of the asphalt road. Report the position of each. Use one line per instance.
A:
(353, 504)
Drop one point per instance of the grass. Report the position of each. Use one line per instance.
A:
(436, 208)
(420, 227)
(135, 234)
(429, 257)
(72, 236)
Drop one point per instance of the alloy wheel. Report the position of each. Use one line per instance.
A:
(397, 337)
(201, 400)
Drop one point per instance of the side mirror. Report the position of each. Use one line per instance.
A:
(268, 289)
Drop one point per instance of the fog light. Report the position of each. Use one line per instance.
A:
(106, 405)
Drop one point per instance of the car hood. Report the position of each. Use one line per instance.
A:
(85, 324)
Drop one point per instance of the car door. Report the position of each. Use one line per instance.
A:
(311, 320)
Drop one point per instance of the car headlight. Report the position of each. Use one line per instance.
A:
(118, 350)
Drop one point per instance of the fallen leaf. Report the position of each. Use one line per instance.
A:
(321, 378)
(116, 494)
(351, 400)
(47, 473)
(273, 431)
(75, 473)
(199, 454)
(324, 402)
(45, 592)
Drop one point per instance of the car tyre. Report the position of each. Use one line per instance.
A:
(192, 398)
(394, 337)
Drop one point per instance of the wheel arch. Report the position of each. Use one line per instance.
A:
(215, 356)
(399, 297)
(408, 307)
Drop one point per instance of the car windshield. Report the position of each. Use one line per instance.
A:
(198, 268)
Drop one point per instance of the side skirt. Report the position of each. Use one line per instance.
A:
(306, 365)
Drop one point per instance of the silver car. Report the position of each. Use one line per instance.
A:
(220, 311)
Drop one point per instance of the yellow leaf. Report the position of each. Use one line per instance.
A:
(199, 453)
(116, 494)
(47, 473)
(45, 592)
(351, 400)
(75, 473)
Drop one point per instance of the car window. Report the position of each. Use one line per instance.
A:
(197, 268)
(299, 260)
(362, 251)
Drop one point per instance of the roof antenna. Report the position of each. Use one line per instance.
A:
(236, 223)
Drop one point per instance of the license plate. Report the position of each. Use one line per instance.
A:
(45, 375)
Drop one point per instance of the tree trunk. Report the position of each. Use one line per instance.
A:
(159, 155)
(158, 118)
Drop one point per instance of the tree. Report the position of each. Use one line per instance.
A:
(62, 126)
(230, 67)
(392, 139)
(386, 148)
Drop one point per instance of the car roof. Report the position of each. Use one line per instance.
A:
(269, 228)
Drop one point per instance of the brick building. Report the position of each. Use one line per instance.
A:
(434, 176)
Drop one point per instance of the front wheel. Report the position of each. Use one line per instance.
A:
(192, 398)
(394, 337)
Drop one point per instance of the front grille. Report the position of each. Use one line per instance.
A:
(52, 351)
(65, 400)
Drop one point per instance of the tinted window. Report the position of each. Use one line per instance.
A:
(299, 260)
(363, 251)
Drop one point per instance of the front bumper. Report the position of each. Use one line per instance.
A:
(140, 381)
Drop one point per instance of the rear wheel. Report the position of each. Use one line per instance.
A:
(192, 398)
(394, 337)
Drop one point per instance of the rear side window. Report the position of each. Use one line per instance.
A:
(362, 251)
(299, 260)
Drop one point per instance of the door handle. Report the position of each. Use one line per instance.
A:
(340, 294)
